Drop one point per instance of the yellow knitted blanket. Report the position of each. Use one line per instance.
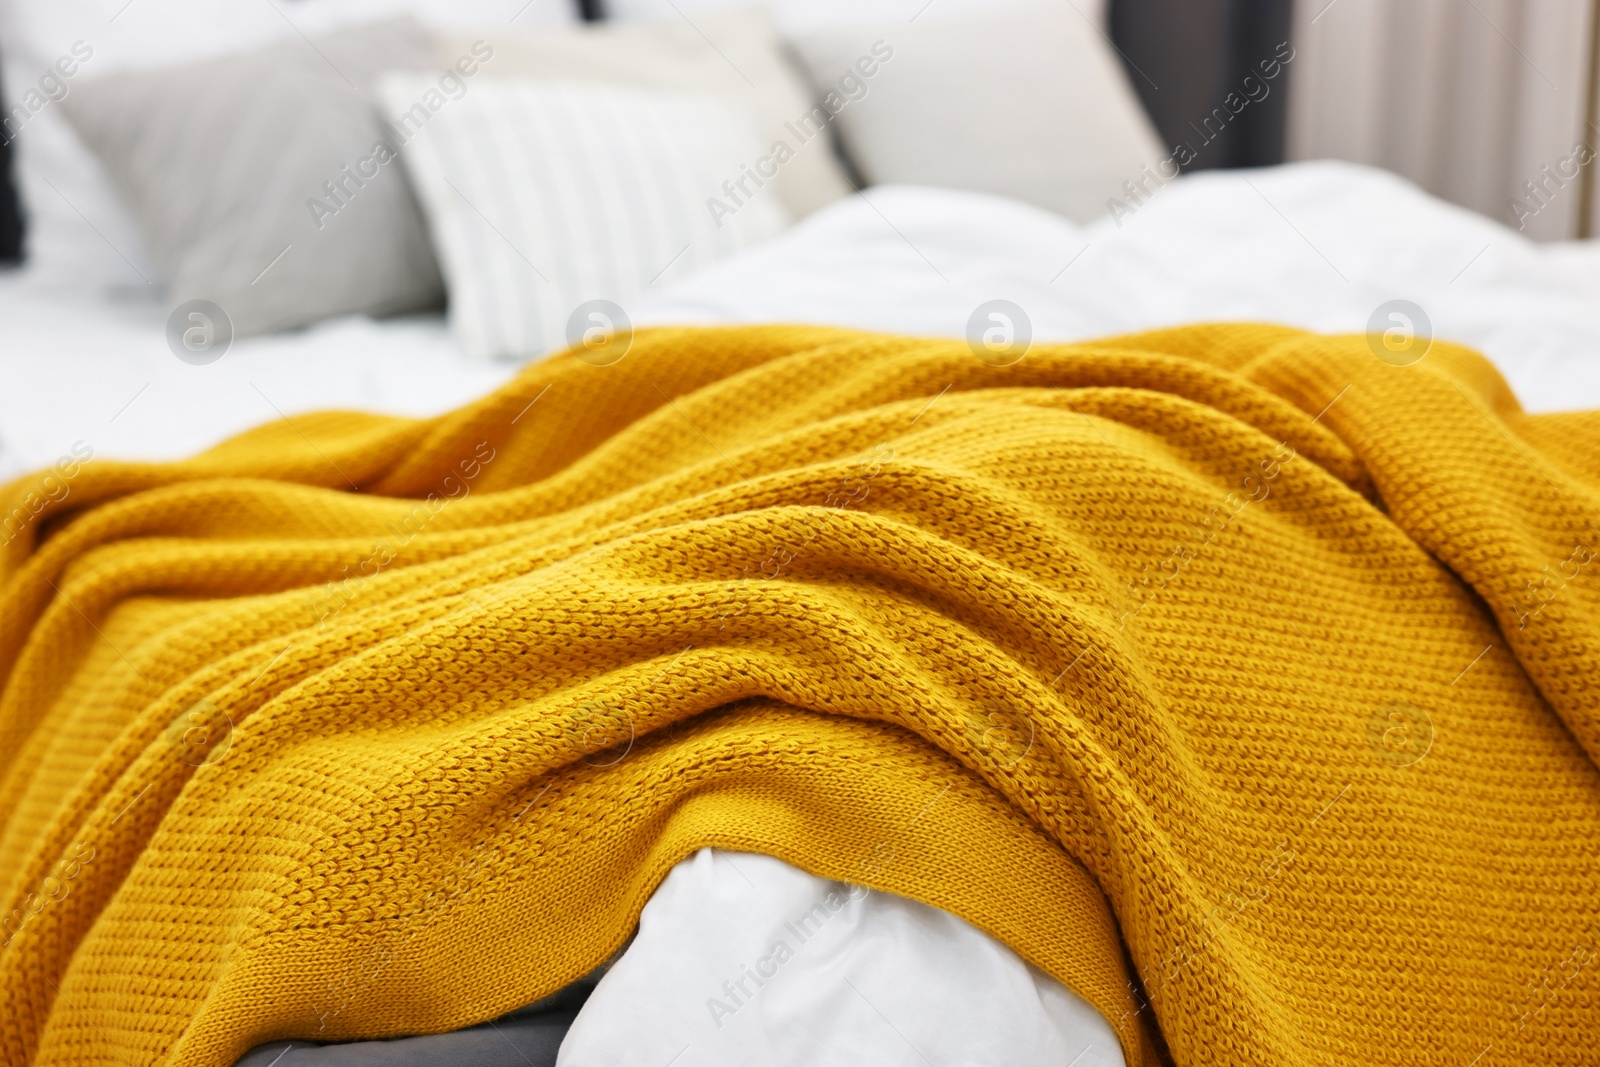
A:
(1239, 679)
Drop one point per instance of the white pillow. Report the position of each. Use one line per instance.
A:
(735, 53)
(544, 196)
(80, 235)
(1031, 103)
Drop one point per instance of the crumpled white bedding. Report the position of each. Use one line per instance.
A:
(1316, 245)
(742, 959)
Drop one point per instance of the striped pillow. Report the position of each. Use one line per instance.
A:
(545, 197)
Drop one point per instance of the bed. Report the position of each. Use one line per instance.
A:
(90, 373)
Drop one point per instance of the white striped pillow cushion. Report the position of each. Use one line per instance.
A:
(542, 196)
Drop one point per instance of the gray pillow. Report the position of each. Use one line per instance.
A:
(225, 163)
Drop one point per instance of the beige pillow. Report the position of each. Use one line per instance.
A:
(1028, 102)
(243, 173)
(736, 53)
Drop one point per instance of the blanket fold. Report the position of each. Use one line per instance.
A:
(1242, 681)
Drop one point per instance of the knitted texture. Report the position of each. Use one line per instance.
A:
(1239, 679)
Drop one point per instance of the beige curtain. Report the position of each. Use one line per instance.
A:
(1487, 103)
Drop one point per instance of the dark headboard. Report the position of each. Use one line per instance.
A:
(10, 205)
(1186, 56)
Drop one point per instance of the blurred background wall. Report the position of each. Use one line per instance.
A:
(1486, 103)
(1490, 104)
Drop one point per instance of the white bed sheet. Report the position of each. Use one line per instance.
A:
(77, 369)
(1317, 245)
(1314, 245)
(744, 961)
